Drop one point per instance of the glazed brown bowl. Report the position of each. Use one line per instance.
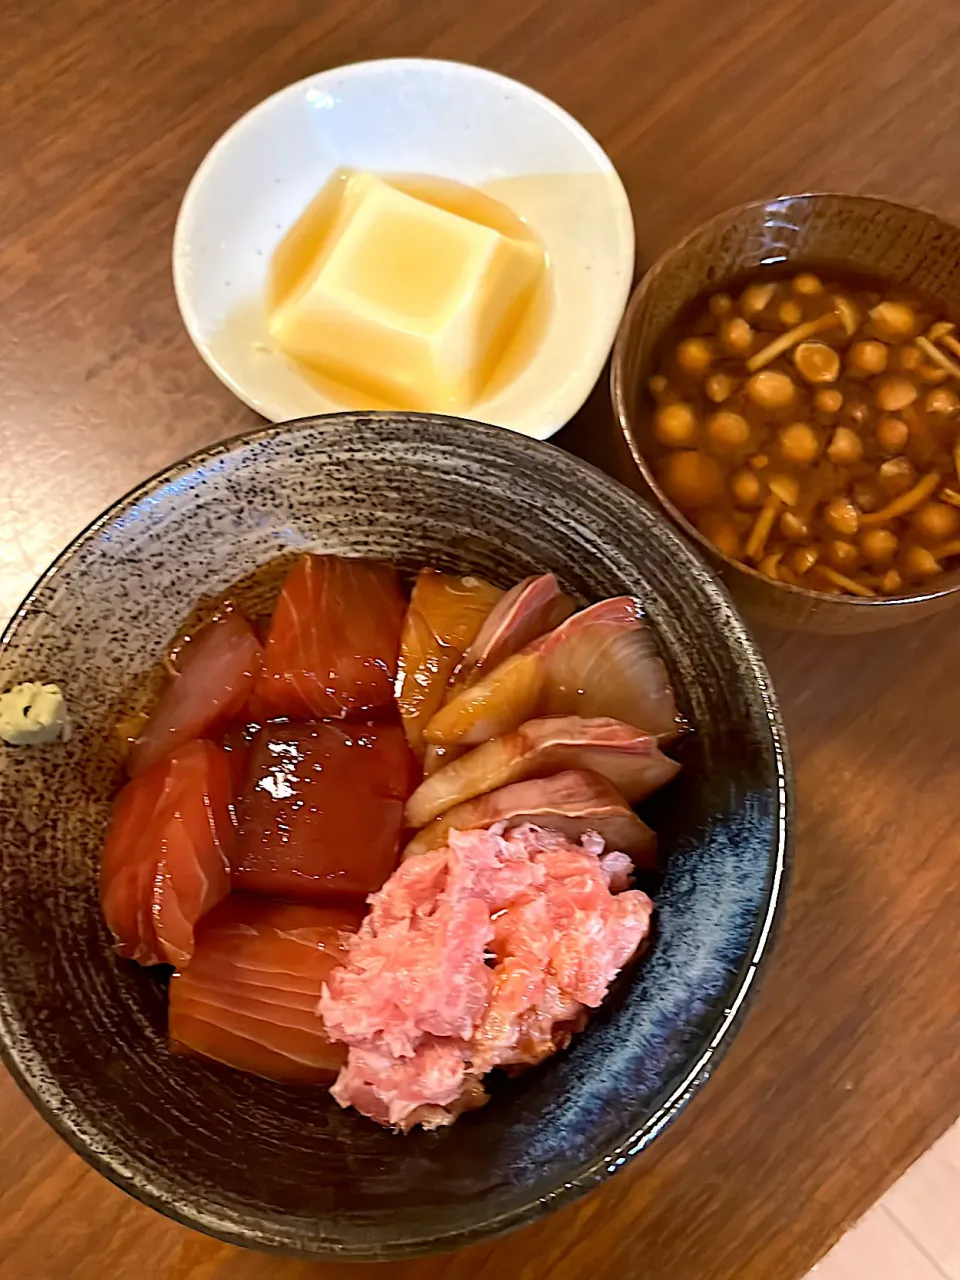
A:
(854, 233)
(281, 1166)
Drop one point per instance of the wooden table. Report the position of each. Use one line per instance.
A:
(847, 1068)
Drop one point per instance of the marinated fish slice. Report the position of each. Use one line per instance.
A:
(497, 703)
(195, 1033)
(131, 899)
(193, 869)
(214, 678)
(333, 642)
(527, 611)
(604, 662)
(250, 997)
(236, 1039)
(166, 861)
(444, 616)
(257, 997)
(237, 742)
(182, 891)
(242, 1014)
(126, 898)
(322, 809)
(435, 758)
(573, 802)
(628, 758)
(599, 662)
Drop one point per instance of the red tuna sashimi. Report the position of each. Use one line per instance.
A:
(249, 997)
(631, 760)
(213, 679)
(322, 809)
(487, 952)
(333, 642)
(166, 858)
(574, 803)
(237, 742)
(600, 662)
(444, 616)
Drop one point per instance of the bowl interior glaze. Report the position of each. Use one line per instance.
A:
(852, 233)
(277, 1167)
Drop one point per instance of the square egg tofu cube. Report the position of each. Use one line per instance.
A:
(406, 301)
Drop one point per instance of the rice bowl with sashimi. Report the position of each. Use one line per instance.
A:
(207, 1094)
(392, 841)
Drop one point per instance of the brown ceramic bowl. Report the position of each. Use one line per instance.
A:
(853, 233)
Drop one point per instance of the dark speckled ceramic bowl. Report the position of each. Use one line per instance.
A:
(859, 233)
(283, 1168)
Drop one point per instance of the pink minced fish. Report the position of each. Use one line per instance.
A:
(625, 756)
(602, 661)
(487, 952)
(574, 803)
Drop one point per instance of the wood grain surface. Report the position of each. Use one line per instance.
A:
(848, 1067)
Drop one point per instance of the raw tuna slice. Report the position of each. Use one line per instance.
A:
(600, 662)
(333, 642)
(444, 616)
(631, 760)
(322, 809)
(249, 997)
(574, 802)
(166, 858)
(213, 679)
(237, 743)
(487, 952)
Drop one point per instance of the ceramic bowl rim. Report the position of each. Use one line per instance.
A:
(184, 297)
(48, 1098)
(619, 394)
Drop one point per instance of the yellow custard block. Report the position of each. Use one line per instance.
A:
(407, 301)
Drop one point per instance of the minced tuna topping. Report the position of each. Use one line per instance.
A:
(485, 953)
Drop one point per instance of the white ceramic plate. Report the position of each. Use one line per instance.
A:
(419, 116)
